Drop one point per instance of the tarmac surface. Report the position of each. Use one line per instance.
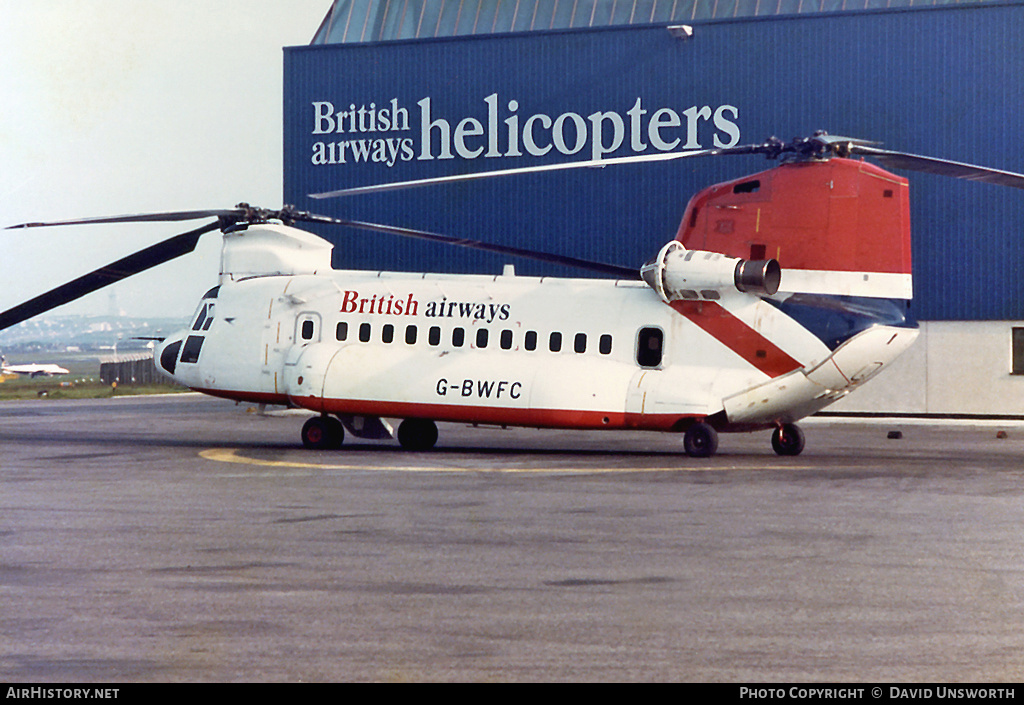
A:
(181, 538)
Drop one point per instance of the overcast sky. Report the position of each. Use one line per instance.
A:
(127, 106)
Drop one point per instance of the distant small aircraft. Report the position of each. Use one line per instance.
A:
(33, 370)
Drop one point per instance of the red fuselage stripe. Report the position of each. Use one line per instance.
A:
(738, 337)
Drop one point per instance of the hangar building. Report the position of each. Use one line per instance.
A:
(393, 90)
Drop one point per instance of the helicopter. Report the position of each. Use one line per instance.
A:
(782, 292)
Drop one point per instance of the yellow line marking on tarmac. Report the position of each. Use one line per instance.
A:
(232, 455)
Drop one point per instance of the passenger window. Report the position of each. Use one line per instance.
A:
(604, 345)
(1017, 351)
(410, 335)
(555, 342)
(579, 344)
(434, 335)
(387, 333)
(307, 326)
(458, 337)
(341, 331)
(649, 347)
(506, 340)
(364, 332)
(481, 338)
(530, 340)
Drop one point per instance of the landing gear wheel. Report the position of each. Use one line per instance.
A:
(700, 440)
(323, 433)
(417, 434)
(788, 439)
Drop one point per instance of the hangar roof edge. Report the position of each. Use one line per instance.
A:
(386, 21)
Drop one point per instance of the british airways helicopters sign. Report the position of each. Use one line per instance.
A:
(358, 115)
(388, 132)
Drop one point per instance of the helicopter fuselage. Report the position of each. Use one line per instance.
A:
(512, 350)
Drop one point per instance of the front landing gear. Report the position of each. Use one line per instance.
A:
(417, 434)
(788, 439)
(700, 440)
(323, 433)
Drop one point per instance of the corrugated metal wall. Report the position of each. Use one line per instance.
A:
(945, 82)
(381, 20)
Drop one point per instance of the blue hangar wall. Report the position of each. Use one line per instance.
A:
(945, 82)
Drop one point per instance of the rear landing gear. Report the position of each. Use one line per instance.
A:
(700, 440)
(788, 439)
(417, 434)
(323, 433)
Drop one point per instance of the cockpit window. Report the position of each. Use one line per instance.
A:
(190, 352)
(169, 356)
(204, 311)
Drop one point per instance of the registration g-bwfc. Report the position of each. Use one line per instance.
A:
(781, 293)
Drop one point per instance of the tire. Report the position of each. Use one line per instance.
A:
(417, 434)
(700, 440)
(322, 433)
(336, 432)
(788, 440)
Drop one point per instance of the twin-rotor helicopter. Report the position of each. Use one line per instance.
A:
(782, 292)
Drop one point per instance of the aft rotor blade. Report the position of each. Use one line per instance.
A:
(943, 167)
(170, 216)
(590, 164)
(600, 267)
(121, 269)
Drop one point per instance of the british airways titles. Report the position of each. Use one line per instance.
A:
(353, 302)
(382, 133)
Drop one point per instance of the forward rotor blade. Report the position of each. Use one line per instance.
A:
(943, 167)
(590, 164)
(170, 216)
(599, 267)
(121, 269)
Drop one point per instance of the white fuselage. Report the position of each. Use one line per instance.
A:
(33, 370)
(544, 352)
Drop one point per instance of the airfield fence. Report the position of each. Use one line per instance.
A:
(130, 369)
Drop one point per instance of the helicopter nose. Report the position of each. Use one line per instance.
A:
(167, 353)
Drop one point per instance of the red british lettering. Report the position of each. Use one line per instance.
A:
(348, 302)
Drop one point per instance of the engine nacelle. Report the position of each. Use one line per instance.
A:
(680, 274)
